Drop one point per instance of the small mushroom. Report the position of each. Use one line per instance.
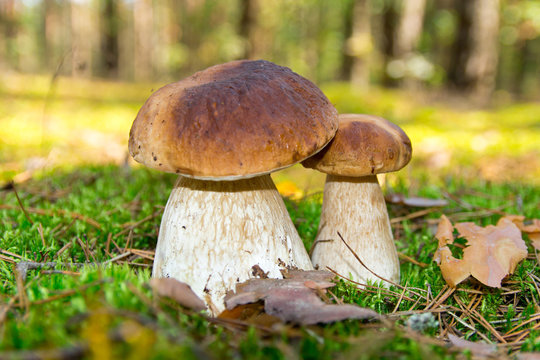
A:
(224, 130)
(353, 203)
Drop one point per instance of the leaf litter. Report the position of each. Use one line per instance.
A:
(493, 252)
(296, 299)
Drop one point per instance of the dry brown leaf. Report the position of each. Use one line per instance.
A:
(315, 275)
(178, 291)
(476, 348)
(292, 301)
(492, 253)
(415, 201)
(252, 313)
(453, 270)
(531, 228)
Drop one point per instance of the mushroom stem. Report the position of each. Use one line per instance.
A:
(215, 234)
(355, 207)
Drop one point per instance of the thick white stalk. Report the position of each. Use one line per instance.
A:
(215, 234)
(355, 207)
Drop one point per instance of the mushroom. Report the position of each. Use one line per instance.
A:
(353, 203)
(224, 130)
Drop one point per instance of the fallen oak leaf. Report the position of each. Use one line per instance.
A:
(492, 253)
(530, 227)
(291, 300)
(252, 313)
(177, 291)
(310, 284)
(255, 289)
(314, 275)
(453, 270)
(414, 201)
(304, 307)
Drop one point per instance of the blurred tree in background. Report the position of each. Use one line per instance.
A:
(473, 47)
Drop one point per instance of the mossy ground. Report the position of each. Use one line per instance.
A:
(110, 310)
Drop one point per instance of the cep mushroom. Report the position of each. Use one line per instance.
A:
(224, 130)
(353, 203)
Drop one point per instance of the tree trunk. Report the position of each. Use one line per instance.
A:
(409, 28)
(246, 30)
(8, 35)
(82, 39)
(109, 37)
(407, 35)
(390, 19)
(474, 64)
(143, 26)
(358, 46)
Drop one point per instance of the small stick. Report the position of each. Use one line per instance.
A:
(509, 333)
(63, 272)
(400, 298)
(121, 256)
(40, 230)
(488, 326)
(142, 253)
(527, 332)
(108, 244)
(368, 286)
(414, 305)
(47, 212)
(67, 293)
(137, 223)
(5, 252)
(22, 267)
(8, 259)
(368, 269)
(84, 248)
(466, 309)
(445, 292)
(64, 230)
(62, 249)
(535, 286)
(411, 260)
(129, 239)
(413, 215)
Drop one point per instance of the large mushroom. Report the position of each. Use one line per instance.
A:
(353, 203)
(224, 130)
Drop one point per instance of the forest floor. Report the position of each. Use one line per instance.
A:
(65, 210)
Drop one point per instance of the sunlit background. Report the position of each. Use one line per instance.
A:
(461, 77)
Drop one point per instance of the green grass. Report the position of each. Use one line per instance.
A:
(111, 311)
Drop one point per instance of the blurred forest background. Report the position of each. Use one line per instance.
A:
(462, 77)
(477, 46)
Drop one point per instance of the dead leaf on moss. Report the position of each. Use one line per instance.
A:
(295, 299)
(492, 253)
(414, 201)
(530, 227)
(178, 291)
(453, 270)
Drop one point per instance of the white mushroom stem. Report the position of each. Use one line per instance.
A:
(215, 234)
(355, 207)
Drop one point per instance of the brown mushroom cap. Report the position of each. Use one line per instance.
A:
(234, 120)
(363, 145)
